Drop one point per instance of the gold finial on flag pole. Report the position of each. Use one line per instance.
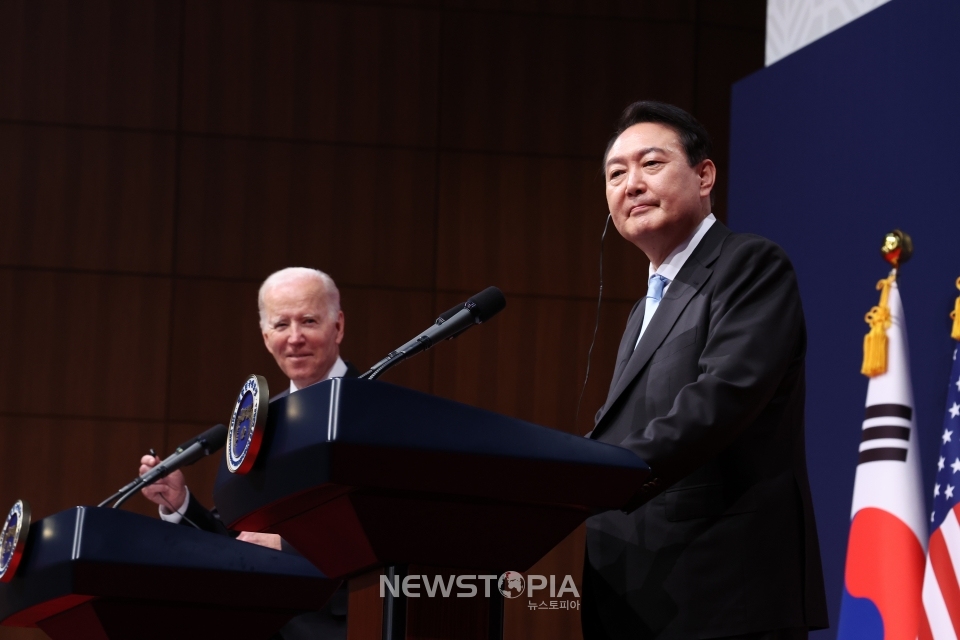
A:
(897, 249)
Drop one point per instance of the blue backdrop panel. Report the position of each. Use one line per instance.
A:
(832, 147)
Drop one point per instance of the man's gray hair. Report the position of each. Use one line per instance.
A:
(330, 294)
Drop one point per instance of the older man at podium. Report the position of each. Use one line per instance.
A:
(302, 326)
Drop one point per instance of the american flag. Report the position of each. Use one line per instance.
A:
(941, 591)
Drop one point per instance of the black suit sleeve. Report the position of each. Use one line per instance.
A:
(208, 520)
(755, 339)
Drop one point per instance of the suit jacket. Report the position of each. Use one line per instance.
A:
(712, 399)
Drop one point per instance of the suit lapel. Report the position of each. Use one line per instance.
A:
(630, 335)
(681, 291)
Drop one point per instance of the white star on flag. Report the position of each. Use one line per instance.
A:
(949, 492)
(955, 410)
(947, 434)
(958, 383)
(936, 490)
(956, 465)
(940, 463)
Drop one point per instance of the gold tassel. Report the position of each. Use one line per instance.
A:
(955, 314)
(875, 342)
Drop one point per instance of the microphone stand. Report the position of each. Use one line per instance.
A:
(392, 359)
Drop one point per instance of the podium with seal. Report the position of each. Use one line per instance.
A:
(362, 476)
(93, 573)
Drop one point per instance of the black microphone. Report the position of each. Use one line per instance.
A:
(450, 324)
(449, 313)
(186, 454)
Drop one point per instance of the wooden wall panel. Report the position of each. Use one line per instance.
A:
(86, 199)
(529, 361)
(78, 462)
(98, 62)
(328, 71)
(530, 225)
(83, 345)
(216, 344)
(682, 10)
(250, 207)
(729, 53)
(554, 85)
(743, 14)
(380, 320)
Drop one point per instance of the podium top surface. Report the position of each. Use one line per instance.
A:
(353, 433)
(98, 552)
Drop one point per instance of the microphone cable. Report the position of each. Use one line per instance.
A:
(596, 325)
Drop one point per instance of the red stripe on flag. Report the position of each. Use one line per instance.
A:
(925, 633)
(946, 578)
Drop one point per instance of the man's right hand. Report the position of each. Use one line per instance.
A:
(169, 492)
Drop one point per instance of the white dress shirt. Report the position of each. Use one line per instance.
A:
(336, 371)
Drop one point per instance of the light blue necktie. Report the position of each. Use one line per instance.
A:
(655, 288)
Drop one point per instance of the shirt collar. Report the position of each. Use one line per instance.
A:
(671, 266)
(338, 369)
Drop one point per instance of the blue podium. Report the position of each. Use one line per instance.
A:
(359, 475)
(92, 574)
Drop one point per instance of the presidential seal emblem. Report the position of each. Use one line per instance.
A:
(247, 425)
(13, 538)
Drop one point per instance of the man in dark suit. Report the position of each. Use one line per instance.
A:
(302, 326)
(708, 389)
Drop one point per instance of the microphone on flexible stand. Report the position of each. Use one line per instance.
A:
(450, 324)
(186, 454)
